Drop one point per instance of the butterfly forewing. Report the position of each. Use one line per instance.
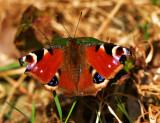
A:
(44, 69)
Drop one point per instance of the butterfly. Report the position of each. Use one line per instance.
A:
(77, 66)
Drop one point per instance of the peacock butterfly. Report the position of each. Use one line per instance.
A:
(77, 66)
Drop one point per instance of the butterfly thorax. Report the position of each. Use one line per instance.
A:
(72, 59)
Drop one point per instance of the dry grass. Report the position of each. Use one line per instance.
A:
(129, 23)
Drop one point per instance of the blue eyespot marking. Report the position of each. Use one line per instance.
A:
(98, 78)
(28, 69)
(21, 61)
(53, 82)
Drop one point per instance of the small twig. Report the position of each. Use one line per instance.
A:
(108, 20)
(99, 112)
(114, 114)
(13, 82)
(13, 90)
(2, 91)
(142, 115)
(150, 55)
(18, 71)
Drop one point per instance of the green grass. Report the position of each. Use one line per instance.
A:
(58, 105)
(60, 109)
(122, 108)
(11, 66)
(33, 109)
(73, 105)
(146, 34)
(154, 2)
(33, 112)
(7, 116)
(100, 120)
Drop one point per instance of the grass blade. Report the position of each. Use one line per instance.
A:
(7, 116)
(122, 108)
(17, 110)
(153, 2)
(100, 120)
(146, 34)
(33, 112)
(58, 105)
(114, 114)
(74, 103)
(11, 66)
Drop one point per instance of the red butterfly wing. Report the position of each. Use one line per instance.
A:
(86, 85)
(47, 66)
(76, 70)
(102, 63)
(44, 69)
(66, 82)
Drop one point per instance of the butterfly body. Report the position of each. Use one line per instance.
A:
(78, 66)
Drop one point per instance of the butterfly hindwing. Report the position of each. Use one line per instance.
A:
(87, 85)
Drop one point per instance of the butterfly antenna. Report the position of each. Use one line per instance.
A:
(77, 25)
(63, 26)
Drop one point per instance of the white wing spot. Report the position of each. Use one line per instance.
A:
(125, 51)
(57, 75)
(102, 47)
(94, 72)
(41, 71)
(34, 56)
(34, 68)
(32, 65)
(115, 62)
(45, 51)
(24, 58)
(114, 50)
